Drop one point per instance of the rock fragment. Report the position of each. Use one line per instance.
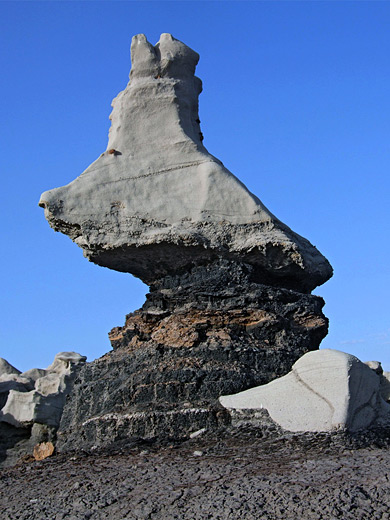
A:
(43, 450)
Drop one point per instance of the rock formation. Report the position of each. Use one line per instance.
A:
(326, 390)
(31, 402)
(229, 304)
(156, 203)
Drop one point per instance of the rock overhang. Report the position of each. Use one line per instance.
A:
(156, 203)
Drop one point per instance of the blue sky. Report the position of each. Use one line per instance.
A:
(295, 103)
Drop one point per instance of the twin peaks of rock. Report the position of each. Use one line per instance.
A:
(156, 203)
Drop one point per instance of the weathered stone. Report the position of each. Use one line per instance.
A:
(156, 203)
(44, 403)
(34, 373)
(385, 386)
(13, 381)
(7, 368)
(325, 390)
(43, 450)
(376, 366)
(177, 353)
(31, 403)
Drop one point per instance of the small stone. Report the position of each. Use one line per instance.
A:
(43, 450)
(197, 433)
(198, 453)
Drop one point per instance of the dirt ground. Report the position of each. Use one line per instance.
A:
(224, 476)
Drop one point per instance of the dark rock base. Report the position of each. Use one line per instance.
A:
(196, 338)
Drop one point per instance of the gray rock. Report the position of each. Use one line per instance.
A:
(10, 382)
(7, 368)
(34, 373)
(385, 386)
(325, 390)
(31, 405)
(14, 382)
(44, 403)
(376, 366)
(64, 361)
(156, 202)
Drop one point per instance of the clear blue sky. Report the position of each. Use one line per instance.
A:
(295, 103)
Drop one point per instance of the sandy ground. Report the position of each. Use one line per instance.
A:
(222, 476)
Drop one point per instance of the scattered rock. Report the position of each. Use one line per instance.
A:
(43, 450)
(325, 390)
(242, 475)
(197, 433)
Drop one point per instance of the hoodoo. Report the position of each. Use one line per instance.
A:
(229, 304)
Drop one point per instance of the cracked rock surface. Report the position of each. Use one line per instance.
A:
(238, 476)
(326, 389)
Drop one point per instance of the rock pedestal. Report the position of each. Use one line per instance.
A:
(187, 346)
(229, 304)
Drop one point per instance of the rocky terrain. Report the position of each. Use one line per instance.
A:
(241, 474)
(31, 404)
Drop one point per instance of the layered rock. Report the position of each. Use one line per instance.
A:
(182, 350)
(229, 304)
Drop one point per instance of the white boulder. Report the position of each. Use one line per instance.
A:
(326, 390)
